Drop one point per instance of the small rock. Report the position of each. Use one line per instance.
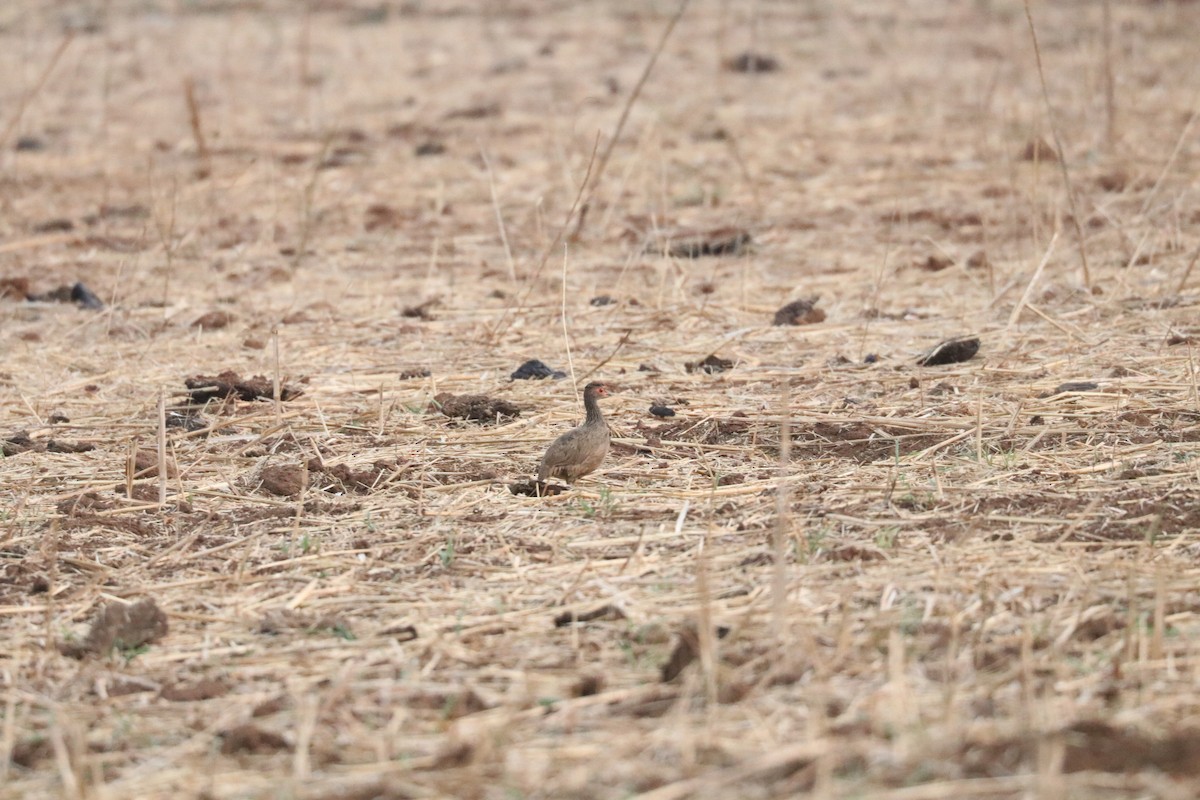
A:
(662, 411)
(978, 260)
(749, 62)
(935, 263)
(951, 351)
(29, 144)
(120, 624)
(286, 480)
(711, 365)
(536, 370)
(213, 320)
(55, 225)
(800, 312)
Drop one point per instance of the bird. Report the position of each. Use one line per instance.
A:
(580, 450)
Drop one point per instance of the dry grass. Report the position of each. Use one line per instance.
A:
(947, 582)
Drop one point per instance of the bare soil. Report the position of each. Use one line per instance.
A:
(266, 272)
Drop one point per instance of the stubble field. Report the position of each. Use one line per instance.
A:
(834, 570)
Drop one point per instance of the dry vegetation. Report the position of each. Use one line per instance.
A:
(833, 570)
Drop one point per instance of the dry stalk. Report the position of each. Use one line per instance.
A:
(202, 152)
(1062, 153)
(633, 96)
(306, 201)
(500, 226)
(162, 446)
(1110, 83)
(34, 90)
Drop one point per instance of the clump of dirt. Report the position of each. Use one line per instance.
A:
(411, 374)
(145, 465)
(284, 620)
(1038, 149)
(697, 244)
(752, 63)
(213, 320)
(532, 488)
(121, 625)
(711, 365)
(687, 650)
(421, 310)
(978, 260)
(477, 407)
(429, 148)
(69, 293)
(251, 739)
(284, 480)
(14, 288)
(607, 611)
(602, 300)
(205, 689)
(935, 263)
(347, 479)
(950, 351)
(477, 111)
(800, 312)
(859, 442)
(20, 442)
(381, 216)
(709, 431)
(662, 411)
(65, 446)
(186, 418)
(1114, 181)
(88, 503)
(202, 388)
(536, 370)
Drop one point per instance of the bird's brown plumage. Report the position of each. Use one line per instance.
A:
(580, 450)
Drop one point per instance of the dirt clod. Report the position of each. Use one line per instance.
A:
(285, 480)
(125, 626)
(250, 739)
(477, 407)
(1038, 149)
(711, 365)
(935, 263)
(213, 320)
(662, 411)
(800, 312)
(145, 465)
(749, 62)
(532, 488)
(203, 388)
(14, 288)
(204, 689)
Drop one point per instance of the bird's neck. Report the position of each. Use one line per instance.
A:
(592, 405)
